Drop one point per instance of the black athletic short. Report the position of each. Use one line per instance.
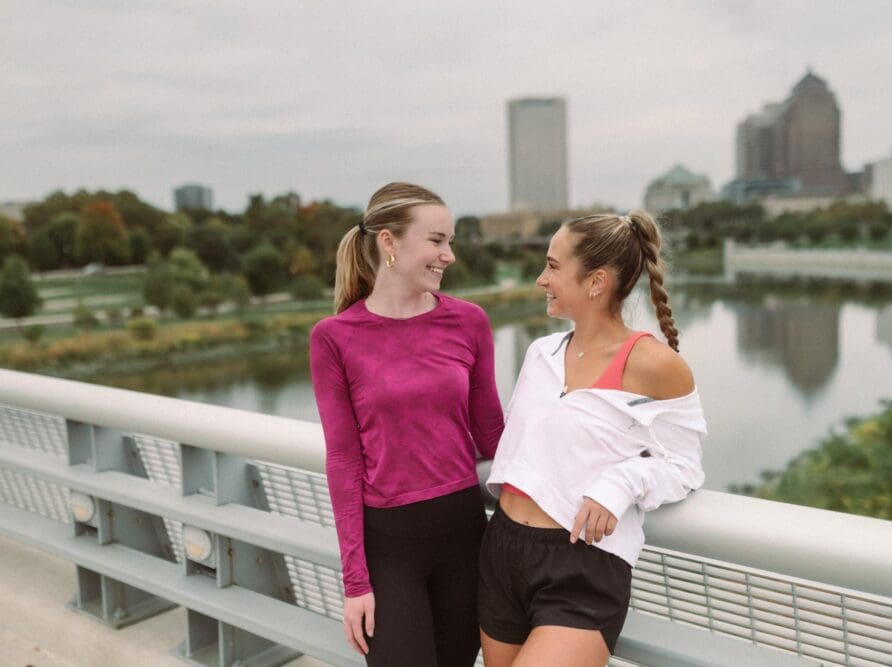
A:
(534, 576)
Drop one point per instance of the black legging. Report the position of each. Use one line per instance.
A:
(423, 561)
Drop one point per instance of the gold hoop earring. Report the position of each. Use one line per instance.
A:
(390, 261)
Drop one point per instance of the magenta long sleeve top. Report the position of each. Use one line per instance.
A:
(407, 407)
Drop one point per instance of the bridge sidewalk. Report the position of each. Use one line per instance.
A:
(40, 631)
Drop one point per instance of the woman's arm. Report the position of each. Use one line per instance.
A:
(344, 464)
(484, 407)
(674, 467)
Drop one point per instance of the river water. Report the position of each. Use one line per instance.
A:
(777, 365)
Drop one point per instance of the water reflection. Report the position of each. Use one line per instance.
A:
(800, 337)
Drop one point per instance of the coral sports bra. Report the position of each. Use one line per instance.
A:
(611, 378)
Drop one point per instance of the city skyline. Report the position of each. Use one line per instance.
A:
(331, 102)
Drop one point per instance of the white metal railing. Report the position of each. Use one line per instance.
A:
(806, 581)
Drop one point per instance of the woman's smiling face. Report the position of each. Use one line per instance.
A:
(564, 293)
(424, 252)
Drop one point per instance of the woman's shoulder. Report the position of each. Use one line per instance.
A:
(454, 304)
(654, 369)
(333, 324)
(466, 310)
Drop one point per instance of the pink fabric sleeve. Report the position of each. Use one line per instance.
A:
(343, 459)
(484, 408)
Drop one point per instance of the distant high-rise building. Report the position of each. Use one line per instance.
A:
(678, 188)
(881, 180)
(791, 146)
(537, 153)
(193, 196)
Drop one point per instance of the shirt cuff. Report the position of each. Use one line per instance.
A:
(355, 590)
(611, 495)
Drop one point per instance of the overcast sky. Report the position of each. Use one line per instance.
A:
(332, 99)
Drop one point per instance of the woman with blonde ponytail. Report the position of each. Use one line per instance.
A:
(604, 425)
(405, 383)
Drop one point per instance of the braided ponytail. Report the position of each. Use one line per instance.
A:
(645, 228)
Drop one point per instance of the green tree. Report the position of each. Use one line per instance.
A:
(39, 214)
(184, 301)
(272, 219)
(170, 232)
(62, 230)
(457, 275)
(235, 288)
(188, 269)
(18, 296)
(301, 260)
(532, 264)
(307, 287)
(210, 241)
(480, 261)
(140, 246)
(264, 269)
(12, 237)
(101, 235)
(467, 228)
(42, 254)
(158, 286)
(136, 213)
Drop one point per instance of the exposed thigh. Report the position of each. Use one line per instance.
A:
(564, 647)
(496, 653)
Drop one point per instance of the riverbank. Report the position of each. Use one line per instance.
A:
(145, 342)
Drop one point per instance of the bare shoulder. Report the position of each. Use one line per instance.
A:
(654, 369)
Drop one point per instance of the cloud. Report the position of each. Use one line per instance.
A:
(332, 99)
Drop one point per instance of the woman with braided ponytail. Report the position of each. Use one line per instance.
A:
(605, 424)
(405, 384)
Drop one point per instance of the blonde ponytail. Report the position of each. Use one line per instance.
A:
(355, 272)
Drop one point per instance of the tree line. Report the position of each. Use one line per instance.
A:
(839, 224)
(196, 257)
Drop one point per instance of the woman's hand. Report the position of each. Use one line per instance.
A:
(359, 612)
(595, 518)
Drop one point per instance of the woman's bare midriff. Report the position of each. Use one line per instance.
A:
(525, 511)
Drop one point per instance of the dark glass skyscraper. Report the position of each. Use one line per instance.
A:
(794, 143)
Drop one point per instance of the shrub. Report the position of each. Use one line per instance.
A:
(307, 287)
(143, 328)
(33, 333)
(113, 316)
(184, 301)
(84, 317)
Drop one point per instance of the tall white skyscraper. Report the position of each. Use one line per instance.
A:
(537, 153)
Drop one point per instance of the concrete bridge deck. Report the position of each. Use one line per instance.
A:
(38, 630)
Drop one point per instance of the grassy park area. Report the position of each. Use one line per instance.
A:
(101, 319)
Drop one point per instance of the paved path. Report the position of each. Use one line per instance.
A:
(37, 629)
